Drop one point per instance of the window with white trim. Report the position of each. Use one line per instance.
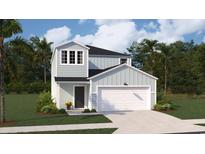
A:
(72, 57)
(64, 58)
(123, 60)
(79, 57)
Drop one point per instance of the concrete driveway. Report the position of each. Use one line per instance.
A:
(149, 122)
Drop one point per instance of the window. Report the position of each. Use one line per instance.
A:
(64, 57)
(123, 60)
(80, 57)
(72, 57)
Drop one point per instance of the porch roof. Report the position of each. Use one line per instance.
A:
(71, 79)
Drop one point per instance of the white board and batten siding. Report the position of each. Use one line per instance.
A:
(119, 77)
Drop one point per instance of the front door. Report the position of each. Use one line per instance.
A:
(79, 97)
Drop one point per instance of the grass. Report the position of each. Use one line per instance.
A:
(200, 124)
(187, 107)
(80, 131)
(20, 111)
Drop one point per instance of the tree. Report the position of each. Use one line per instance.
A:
(20, 54)
(8, 27)
(43, 53)
(166, 54)
(144, 54)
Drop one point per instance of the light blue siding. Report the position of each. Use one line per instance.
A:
(102, 62)
(72, 70)
(66, 93)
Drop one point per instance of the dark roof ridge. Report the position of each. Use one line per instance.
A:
(100, 51)
(93, 72)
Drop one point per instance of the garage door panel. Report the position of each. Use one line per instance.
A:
(118, 98)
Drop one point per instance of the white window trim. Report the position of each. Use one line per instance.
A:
(61, 57)
(76, 58)
(68, 57)
(123, 58)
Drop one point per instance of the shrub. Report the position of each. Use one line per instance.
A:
(62, 111)
(47, 86)
(164, 101)
(44, 99)
(199, 90)
(93, 110)
(160, 95)
(35, 87)
(86, 111)
(157, 107)
(15, 87)
(51, 108)
(164, 107)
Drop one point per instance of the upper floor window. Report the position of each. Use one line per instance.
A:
(64, 59)
(123, 60)
(72, 57)
(80, 57)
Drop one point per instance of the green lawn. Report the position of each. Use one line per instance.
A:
(200, 124)
(187, 107)
(80, 131)
(20, 111)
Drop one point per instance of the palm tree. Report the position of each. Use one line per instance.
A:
(43, 53)
(8, 27)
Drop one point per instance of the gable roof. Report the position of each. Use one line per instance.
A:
(99, 51)
(65, 43)
(136, 69)
(69, 42)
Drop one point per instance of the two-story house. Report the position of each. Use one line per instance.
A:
(100, 79)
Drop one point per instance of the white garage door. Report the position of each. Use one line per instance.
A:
(123, 98)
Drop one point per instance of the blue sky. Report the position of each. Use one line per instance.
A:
(114, 34)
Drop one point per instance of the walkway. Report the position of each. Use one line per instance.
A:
(55, 127)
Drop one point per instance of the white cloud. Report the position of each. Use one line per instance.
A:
(101, 22)
(58, 35)
(151, 25)
(173, 30)
(81, 21)
(111, 35)
(119, 34)
(87, 39)
(203, 40)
